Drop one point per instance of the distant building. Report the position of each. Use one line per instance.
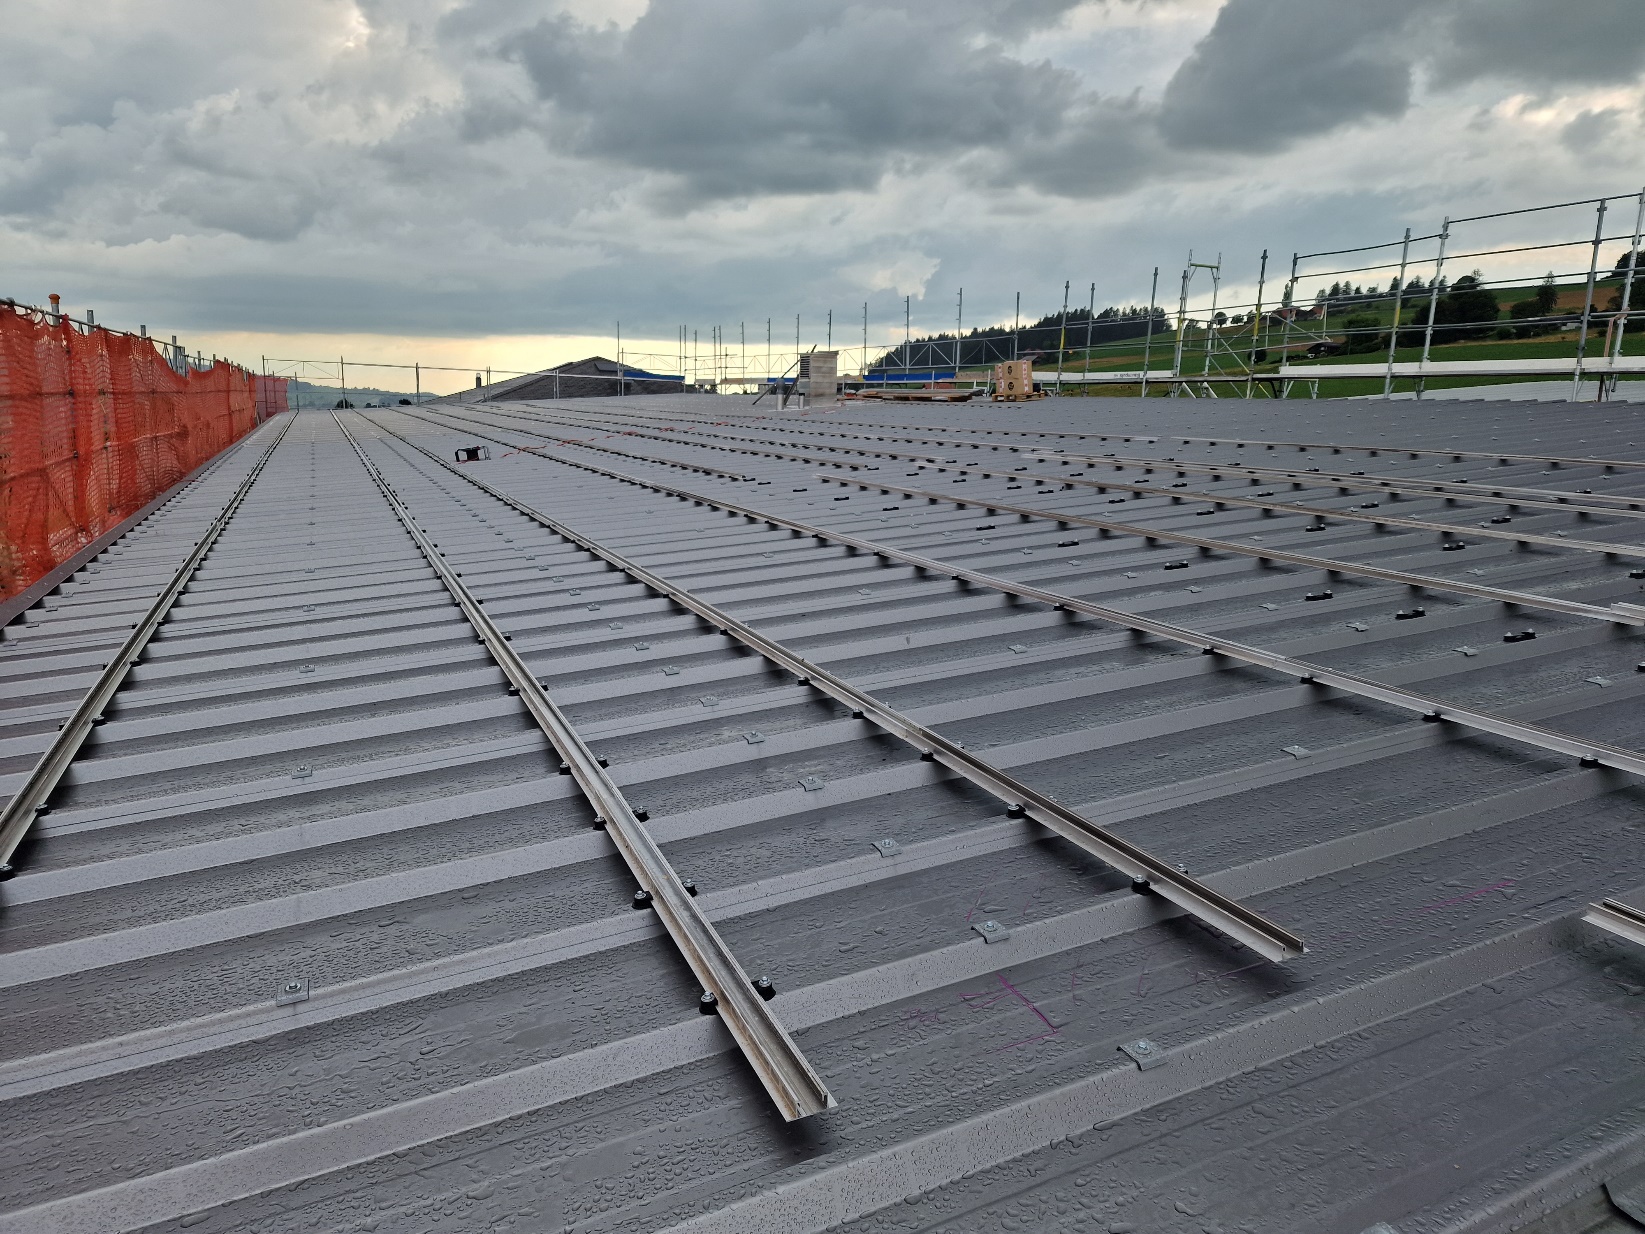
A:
(591, 378)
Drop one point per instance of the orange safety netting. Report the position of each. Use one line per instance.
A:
(94, 424)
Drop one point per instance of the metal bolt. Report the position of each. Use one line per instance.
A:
(642, 898)
(764, 988)
(708, 1004)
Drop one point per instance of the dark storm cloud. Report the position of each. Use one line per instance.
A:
(1273, 71)
(1538, 42)
(742, 97)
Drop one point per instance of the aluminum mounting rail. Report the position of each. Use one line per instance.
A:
(1320, 513)
(1524, 599)
(1150, 873)
(1589, 753)
(1620, 919)
(466, 425)
(1242, 442)
(1558, 501)
(1458, 455)
(795, 1087)
(34, 797)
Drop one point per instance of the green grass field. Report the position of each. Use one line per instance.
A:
(1233, 343)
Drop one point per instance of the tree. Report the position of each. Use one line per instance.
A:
(1468, 310)
(1547, 295)
(1363, 334)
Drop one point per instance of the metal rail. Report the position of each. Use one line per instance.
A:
(1334, 447)
(793, 1084)
(1620, 919)
(1215, 909)
(1555, 500)
(1589, 753)
(1319, 513)
(1330, 565)
(34, 797)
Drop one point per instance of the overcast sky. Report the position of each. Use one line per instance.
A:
(501, 181)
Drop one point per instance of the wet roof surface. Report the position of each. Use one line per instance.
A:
(316, 935)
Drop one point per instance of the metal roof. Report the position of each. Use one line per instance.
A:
(1093, 814)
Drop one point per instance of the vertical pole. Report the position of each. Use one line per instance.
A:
(1182, 317)
(1016, 328)
(418, 396)
(342, 379)
(1393, 330)
(1148, 338)
(1588, 303)
(865, 340)
(1090, 314)
(1211, 321)
(1433, 305)
(768, 347)
(829, 345)
(1285, 335)
(1062, 335)
(907, 336)
(959, 324)
(1627, 291)
(1256, 324)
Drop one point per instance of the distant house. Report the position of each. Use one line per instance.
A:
(591, 378)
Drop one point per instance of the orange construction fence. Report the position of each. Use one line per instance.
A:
(94, 424)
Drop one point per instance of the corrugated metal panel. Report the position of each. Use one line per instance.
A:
(316, 935)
